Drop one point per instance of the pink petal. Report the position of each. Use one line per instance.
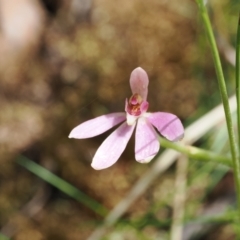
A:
(111, 149)
(139, 82)
(146, 143)
(168, 125)
(97, 125)
(144, 106)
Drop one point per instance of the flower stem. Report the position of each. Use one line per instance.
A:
(238, 76)
(197, 153)
(224, 96)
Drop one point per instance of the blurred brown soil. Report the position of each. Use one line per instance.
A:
(76, 71)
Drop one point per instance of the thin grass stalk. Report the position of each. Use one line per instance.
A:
(238, 77)
(224, 96)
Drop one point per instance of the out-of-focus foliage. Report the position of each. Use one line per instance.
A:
(76, 68)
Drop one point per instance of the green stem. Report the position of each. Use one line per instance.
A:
(224, 96)
(197, 153)
(238, 76)
(62, 185)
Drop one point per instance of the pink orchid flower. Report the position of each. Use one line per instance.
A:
(146, 138)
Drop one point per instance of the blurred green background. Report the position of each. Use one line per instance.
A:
(64, 62)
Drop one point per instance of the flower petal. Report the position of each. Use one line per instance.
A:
(111, 149)
(169, 125)
(97, 125)
(146, 143)
(139, 82)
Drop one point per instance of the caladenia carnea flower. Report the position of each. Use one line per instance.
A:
(135, 116)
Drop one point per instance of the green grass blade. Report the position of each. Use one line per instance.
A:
(3, 237)
(62, 185)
